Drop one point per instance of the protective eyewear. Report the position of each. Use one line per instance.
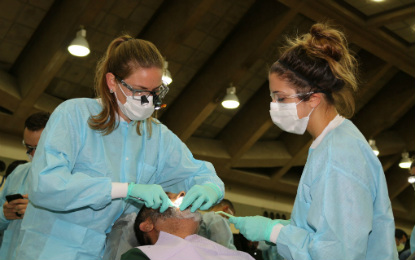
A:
(138, 94)
(280, 97)
(29, 148)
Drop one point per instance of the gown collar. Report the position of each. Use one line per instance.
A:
(332, 125)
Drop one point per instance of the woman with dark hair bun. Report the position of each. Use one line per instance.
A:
(342, 209)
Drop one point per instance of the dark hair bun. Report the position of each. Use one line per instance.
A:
(326, 41)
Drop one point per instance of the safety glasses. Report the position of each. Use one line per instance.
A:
(29, 148)
(159, 92)
(280, 97)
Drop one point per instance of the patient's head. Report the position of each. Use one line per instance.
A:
(150, 222)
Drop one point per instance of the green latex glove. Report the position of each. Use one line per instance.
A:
(256, 228)
(201, 196)
(152, 195)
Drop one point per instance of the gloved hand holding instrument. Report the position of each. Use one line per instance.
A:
(201, 196)
(152, 195)
(257, 228)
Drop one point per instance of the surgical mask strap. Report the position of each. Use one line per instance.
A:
(311, 109)
(296, 104)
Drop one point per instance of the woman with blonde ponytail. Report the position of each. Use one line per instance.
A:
(100, 160)
(342, 209)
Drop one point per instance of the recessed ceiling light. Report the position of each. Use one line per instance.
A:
(378, 0)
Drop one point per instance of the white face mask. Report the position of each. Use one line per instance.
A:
(133, 109)
(30, 157)
(285, 116)
(400, 247)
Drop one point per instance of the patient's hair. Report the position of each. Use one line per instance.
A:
(154, 215)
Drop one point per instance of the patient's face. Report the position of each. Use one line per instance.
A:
(176, 198)
(148, 229)
(175, 213)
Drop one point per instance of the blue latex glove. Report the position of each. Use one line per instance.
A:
(201, 196)
(256, 228)
(152, 195)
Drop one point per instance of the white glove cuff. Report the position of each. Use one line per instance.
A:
(275, 233)
(119, 190)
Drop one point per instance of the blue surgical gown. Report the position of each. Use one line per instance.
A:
(15, 183)
(73, 168)
(216, 228)
(342, 209)
(413, 241)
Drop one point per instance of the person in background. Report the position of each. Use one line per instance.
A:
(216, 227)
(104, 158)
(17, 183)
(12, 166)
(3, 178)
(173, 235)
(342, 209)
(412, 241)
(269, 252)
(402, 244)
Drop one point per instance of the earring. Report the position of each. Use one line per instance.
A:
(111, 91)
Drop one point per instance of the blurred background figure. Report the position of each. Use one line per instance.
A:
(2, 168)
(402, 244)
(16, 175)
(216, 226)
(269, 252)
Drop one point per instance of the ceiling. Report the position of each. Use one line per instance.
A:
(210, 44)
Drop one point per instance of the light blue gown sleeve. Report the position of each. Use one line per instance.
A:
(15, 183)
(53, 184)
(178, 169)
(340, 222)
(413, 241)
(3, 221)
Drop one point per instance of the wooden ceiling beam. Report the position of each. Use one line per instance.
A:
(375, 74)
(396, 15)
(9, 92)
(262, 155)
(386, 108)
(406, 129)
(42, 59)
(248, 125)
(407, 199)
(167, 35)
(397, 178)
(377, 42)
(253, 118)
(184, 117)
(254, 180)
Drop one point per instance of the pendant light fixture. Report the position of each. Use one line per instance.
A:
(372, 144)
(406, 161)
(166, 78)
(230, 101)
(79, 46)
